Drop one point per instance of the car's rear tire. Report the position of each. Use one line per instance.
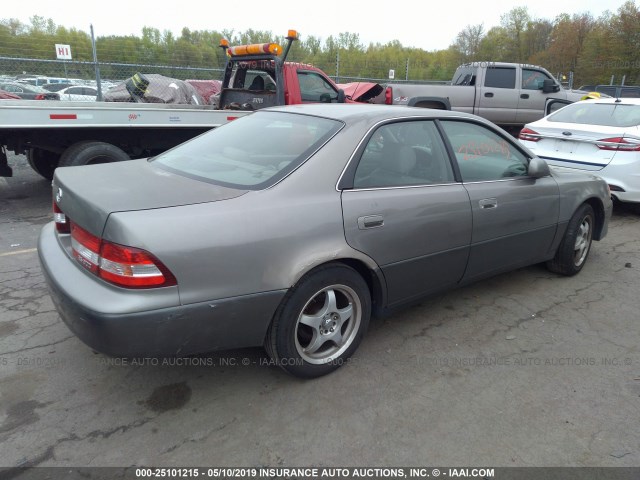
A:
(320, 322)
(575, 245)
(91, 153)
(43, 162)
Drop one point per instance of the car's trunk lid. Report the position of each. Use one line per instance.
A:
(88, 195)
(567, 145)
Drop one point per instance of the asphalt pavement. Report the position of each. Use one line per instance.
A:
(524, 369)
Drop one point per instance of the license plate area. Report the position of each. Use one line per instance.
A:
(566, 146)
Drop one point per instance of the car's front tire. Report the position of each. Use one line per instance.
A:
(321, 322)
(575, 245)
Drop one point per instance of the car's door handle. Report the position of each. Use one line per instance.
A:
(370, 221)
(488, 203)
(524, 95)
(488, 94)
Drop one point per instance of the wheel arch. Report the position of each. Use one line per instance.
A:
(598, 210)
(372, 276)
(437, 103)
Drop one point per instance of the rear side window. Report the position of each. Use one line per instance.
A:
(464, 76)
(500, 77)
(251, 153)
(483, 155)
(403, 154)
(606, 114)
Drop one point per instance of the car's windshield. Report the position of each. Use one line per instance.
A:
(606, 114)
(253, 152)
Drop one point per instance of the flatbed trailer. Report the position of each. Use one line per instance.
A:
(52, 133)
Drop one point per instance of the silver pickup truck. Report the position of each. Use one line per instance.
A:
(508, 94)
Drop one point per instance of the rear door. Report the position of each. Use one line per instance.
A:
(514, 215)
(403, 208)
(498, 99)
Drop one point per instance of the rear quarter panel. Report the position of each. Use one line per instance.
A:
(262, 241)
(577, 188)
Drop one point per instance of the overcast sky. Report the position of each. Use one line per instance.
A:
(431, 26)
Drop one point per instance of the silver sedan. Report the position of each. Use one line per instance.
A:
(291, 227)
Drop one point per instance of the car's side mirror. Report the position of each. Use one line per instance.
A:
(341, 96)
(549, 86)
(538, 168)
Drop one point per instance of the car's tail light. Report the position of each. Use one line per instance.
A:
(132, 267)
(619, 143)
(85, 248)
(60, 219)
(529, 135)
(121, 265)
(388, 95)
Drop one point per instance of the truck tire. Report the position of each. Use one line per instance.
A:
(44, 162)
(91, 153)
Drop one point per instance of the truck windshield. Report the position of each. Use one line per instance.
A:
(252, 152)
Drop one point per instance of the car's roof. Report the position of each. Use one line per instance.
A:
(350, 112)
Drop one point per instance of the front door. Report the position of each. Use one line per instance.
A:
(514, 215)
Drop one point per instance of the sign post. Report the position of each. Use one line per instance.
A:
(63, 52)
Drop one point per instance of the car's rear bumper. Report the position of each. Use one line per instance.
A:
(104, 317)
(622, 173)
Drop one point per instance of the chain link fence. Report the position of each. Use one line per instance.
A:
(105, 75)
(100, 76)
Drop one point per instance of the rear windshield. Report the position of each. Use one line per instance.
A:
(251, 153)
(606, 114)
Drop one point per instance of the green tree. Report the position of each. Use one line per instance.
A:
(515, 24)
(468, 41)
(495, 46)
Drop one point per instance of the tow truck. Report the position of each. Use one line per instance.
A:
(58, 133)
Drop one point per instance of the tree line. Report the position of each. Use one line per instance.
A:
(593, 49)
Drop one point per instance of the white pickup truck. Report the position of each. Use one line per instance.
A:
(508, 94)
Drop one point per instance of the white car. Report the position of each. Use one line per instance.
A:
(601, 136)
(79, 93)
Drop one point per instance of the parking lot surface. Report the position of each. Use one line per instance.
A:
(524, 369)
